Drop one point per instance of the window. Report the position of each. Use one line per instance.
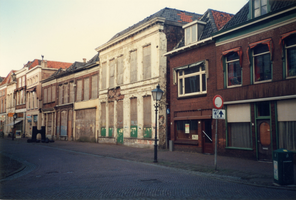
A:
(233, 70)
(186, 128)
(287, 124)
(45, 95)
(49, 95)
(94, 84)
(111, 118)
(260, 7)
(61, 94)
(133, 65)
(66, 93)
(119, 110)
(111, 73)
(86, 89)
(192, 80)
(23, 81)
(120, 70)
(191, 34)
(79, 90)
(103, 119)
(239, 126)
(147, 62)
(147, 117)
(291, 56)
(53, 91)
(71, 92)
(262, 63)
(104, 76)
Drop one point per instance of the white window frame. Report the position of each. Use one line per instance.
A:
(183, 77)
(254, 70)
(286, 55)
(232, 61)
(260, 8)
(189, 30)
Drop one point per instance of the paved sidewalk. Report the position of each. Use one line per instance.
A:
(228, 168)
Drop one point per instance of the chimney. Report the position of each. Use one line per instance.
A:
(84, 60)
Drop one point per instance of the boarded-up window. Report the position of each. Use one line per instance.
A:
(94, 84)
(104, 75)
(120, 70)
(134, 112)
(60, 94)
(147, 61)
(53, 91)
(86, 89)
(133, 63)
(66, 93)
(119, 110)
(45, 95)
(111, 114)
(49, 95)
(71, 92)
(103, 115)
(111, 73)
(79, 90)
(147, 111)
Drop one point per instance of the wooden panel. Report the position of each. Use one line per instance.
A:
(119, 109)
(94, 84)
(111, 73)
(85, 123)
(147, 61)
(45, 95)
(66, 86)
(49, 124)
(61, 94)
(79, 90)
(147, 111)
(64, 123)
(264, 131)
(86, 89)
(111, 114)
(69, 128)
(134, 113)
(103, 114)
(133, 66)
(120, 70)
(104, 76)
(53, 93)
(71, 92)
(49, 95)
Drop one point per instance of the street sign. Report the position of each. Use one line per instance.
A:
(218, 114)
(218, 102)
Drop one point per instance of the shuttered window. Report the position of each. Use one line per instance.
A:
(147, 111)
(133, 66)
(66, 95)
(111, 73)
(53, 93)
(94, 84)
(120, 70)
(79, 90)
(147, 62)
(111, 114)
(60, 94)
(49, 95)
(86, 89)
(45, 95)
(71, 92)
(119, 110)
(133, 113)
(103, 115)
(104, 76)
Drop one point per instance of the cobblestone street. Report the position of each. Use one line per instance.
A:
(54, 172)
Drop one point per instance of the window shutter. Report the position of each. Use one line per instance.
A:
(133, 112)
(45, 95)
(66, 93)
(79, 90)
(49, 95)
(111, 73)
(120, 70)
(147, 61)
(238, 113)
(147, 111)
(86, 89)
(119, 109)
(103, 115)
(94, 84)
(71, 92)
(104, 75)
(111, 114)
(133, 66)
(53, 92)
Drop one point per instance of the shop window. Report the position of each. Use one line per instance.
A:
(261, 63)
(192, 80)
(233, 70)
(239, 126)
(291, 56)
(186, 129)
(133, 66)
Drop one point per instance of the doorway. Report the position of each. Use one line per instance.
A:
(264, 140)
(207, 141)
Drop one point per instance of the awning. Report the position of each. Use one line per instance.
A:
(237, 50)
(253, 45)
(18, 120)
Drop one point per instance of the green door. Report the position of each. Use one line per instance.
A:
(103, 132)
(110, 132)
(147, 132)
(119, 135)
(134, 131)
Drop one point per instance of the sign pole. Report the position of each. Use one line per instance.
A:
(215, 161)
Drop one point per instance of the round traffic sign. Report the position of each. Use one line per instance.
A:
(218, 102)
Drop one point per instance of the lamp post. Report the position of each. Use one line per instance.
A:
(13, 132)
(157, 94)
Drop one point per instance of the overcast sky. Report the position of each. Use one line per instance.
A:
(70, 30)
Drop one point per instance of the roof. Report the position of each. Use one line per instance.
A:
(50, 64)
(242, 15)
(169, 14)
(215, 21)
(7, 78)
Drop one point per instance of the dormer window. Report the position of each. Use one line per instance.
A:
(191, 31)
(260, 7)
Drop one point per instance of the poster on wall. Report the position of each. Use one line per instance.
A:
(187, 128)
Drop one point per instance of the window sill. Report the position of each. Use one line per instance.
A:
(265, 81)
(239, 148)
(233, 86)
(192, 96)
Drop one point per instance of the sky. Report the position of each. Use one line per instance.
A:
(70, 30)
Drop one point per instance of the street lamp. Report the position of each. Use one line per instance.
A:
(157, 94)
(13, 132)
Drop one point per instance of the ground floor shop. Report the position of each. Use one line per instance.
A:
(31, 120)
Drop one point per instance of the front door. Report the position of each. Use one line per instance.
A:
(207, 141)
(264, 140)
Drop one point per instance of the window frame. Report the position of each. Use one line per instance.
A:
(253, 63)
(227, 71)
(190, 29)
(286, 58)
(259, 8)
